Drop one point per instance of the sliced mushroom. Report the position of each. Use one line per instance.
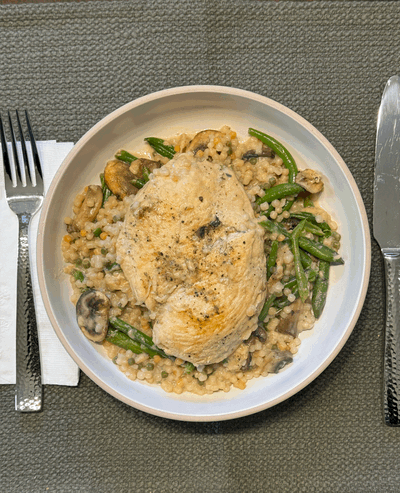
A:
(92, 314)
(89, 208)
(247, 364)
(201, 140)
(310, 180)
(137, 166)
(260, 334)
(282, 359)
(265, 152)
(288, 325)
(119, 178)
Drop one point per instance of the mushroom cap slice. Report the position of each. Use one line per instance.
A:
(92, 314)
(119, 178)
(89, 209)
(288, 325)
(310, 180)
(281, 359)
(201, 140)
(137, 166)
(265, 152)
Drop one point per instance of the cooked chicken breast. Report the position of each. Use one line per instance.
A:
(192, 252)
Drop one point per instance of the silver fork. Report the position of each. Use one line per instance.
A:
(24, 201)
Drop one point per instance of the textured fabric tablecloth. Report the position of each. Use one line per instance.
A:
(70, 64)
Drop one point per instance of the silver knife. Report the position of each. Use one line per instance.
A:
(387, 234)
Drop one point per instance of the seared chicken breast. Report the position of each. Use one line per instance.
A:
(193, 254)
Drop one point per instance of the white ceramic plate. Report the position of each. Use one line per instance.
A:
(198, 107)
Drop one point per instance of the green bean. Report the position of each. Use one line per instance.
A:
(125, 156)
(311, 275)
(268, 211)
(272, 258)
(274, 227)
(282, 152)
(326, 229)
(145, 341)
(97, 232)
(312, 219)
(138, 183)
(159, 146)
(305, 259)
(141, 182)
(320, 251)
(129, 330)
(303, 215)
(122, 340)
(145, 172)
(292, 282)
(320, 289)
(266, 307)
(288, 205)
(295, 234)
(302, 282)
(314, 229)
(106, 191)
(279, 192)
(283, 301)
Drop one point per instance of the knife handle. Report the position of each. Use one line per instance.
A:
(391, 371)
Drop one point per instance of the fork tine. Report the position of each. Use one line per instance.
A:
(35, 154)
(6, 159)
(23, 147)
(14, 148)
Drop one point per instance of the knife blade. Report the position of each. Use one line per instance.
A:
(386, 227)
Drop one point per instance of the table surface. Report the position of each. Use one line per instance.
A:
(70, 64)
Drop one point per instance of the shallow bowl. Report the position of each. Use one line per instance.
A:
(195, 108)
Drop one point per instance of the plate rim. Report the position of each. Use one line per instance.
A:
(221, 90)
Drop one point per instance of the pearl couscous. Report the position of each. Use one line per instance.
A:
(292, 302)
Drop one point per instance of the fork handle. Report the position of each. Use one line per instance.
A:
(28, 393)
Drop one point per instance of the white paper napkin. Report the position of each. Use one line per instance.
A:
(58, 368)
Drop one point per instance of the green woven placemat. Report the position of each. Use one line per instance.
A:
(71, 64)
